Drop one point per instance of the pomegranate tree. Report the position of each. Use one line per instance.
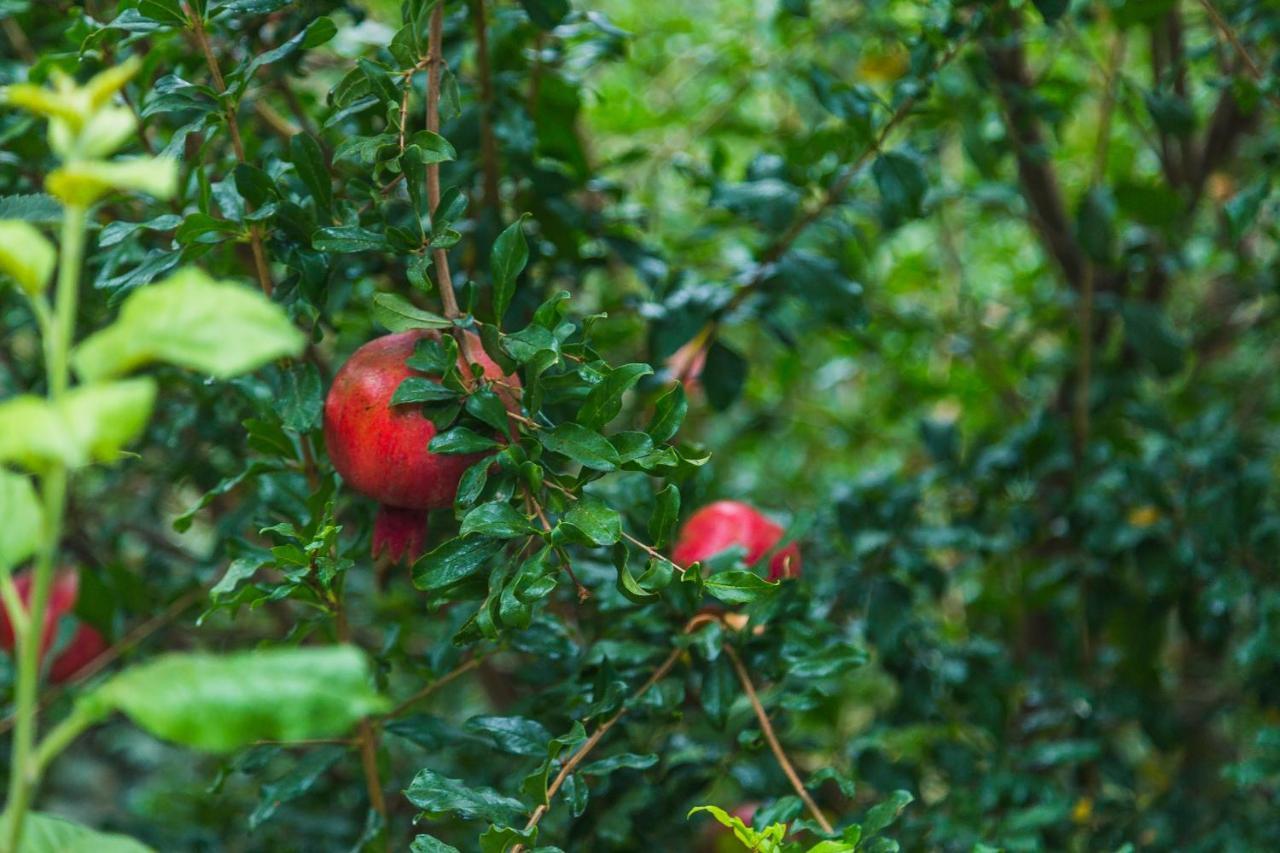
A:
(722, 525)
(380, 449)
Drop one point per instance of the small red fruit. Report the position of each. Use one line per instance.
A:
(381, 450)
(725, 524)
(85, 645)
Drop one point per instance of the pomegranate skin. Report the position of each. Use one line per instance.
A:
(85, 645)
(380, 450)
(724, 524)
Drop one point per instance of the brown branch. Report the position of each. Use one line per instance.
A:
(1226, 29)
(366, 732)
(435, 66)
(1036, 176)
(462, 668)
(233, 128)
(488, 144)
(772, 738)
(590, 743)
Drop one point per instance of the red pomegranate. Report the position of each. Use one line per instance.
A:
(381, 450)
(85, 645)
(725, 524)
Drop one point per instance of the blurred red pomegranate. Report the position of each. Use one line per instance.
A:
(85, 645)
(725, 524)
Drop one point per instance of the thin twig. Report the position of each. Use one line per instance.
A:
(1226, 29)
(462, 668)
(488, 144)
(366, 733)
(583, 592)
(435, 67)
(590, 743)
(233, 128)
(774, 744)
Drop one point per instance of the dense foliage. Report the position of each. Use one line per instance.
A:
(977, 299)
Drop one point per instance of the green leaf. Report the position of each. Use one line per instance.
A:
(26, 256)
(547, 14)
(453, 562)
(36, 208)
(398, 314)
(882, 815)
(461, 440)
(497, 519)
(190, 320)
(344, 239)
(220, 703)
(902, 185)
(592, 522)
(43, 833)
(419, 389)
(90, 423)
(432, 148)
(104, 417)
(668, 414)
(308, 159)
(723, 376)
(486, 406)
(580, 444)
(428, 844)
(83, 182)
(33, 434)
(302, 401)
(739, 587)
(1051, 10)
(513, 735)
(510, 254)
(626, 760)
(605, 399)
(435, 793)
(666, 514)
(23, 519)
(299, 780)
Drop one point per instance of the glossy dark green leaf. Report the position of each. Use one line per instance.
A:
(398, 314)
(604, 402)
(497, 519)
(419, 389)
(432, 792)
(587, 448)
(461, 440)
(666, 515)
(591, 521)
(510, 254)
(736, 586)
(453, 561)
(308, 160)
(668, 414)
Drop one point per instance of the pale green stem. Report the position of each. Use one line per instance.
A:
(24, 773)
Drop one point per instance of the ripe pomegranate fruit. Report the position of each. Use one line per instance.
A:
(724, 524)
(85, 645)
(381, 450)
